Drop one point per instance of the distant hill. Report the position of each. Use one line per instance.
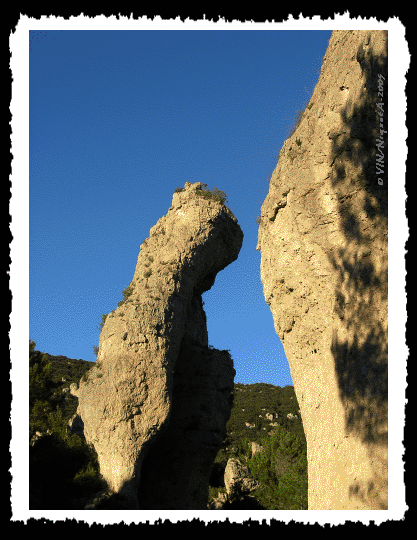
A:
(257, 408)
(66, 371)
(251, 403)
(68, 368)
(249, 421)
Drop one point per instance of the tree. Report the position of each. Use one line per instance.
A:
(281, 468)
(63, 468)
(40, 388)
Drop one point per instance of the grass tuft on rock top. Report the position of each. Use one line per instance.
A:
(204, 192)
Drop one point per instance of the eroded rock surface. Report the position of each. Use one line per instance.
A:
(156, 405)
(238, 476)
(323, 238)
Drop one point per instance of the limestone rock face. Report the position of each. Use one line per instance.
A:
(323, 238)
(238, 475)
(158, 392)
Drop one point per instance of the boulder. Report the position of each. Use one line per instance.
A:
(218, 502)
(156, 404)
(323, 237)
(256, 448)
(38, 435)
(238, 477)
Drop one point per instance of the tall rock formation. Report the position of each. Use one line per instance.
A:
(156, 404)
(323, 238)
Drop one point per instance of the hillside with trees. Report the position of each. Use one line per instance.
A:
(269, 416)
(64, 470)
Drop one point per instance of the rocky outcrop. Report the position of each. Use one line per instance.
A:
(239, 485)
(237, 477)
(218, 502)
(75, 425)
(255, 447)
(156, 404)
(324, 262)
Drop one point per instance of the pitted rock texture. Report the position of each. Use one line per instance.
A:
(323, 238)
(157, 386)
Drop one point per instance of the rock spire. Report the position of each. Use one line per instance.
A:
(156, 404)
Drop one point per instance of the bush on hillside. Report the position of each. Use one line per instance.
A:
(281, 468)
(63, 469)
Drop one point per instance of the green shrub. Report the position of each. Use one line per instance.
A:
(215, 195)
(148, 273)
(126, 293)
(41, 388)
(298, 117)
(281, 469)
(88, 479)
(63, 470)
(103, 320)
(297, 121)
(214, 492)
(293, 153)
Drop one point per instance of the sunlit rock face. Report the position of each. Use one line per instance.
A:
(323, 239)
(159, 395)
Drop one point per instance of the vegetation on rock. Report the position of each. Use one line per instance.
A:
(206, 193)
(64, 470)
(281, 467)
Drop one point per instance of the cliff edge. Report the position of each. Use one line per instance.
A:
(323, 238)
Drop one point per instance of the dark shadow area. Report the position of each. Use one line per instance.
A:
(217, 475)
(245, 503)
(360, 345)
(175, 474)
(62, 473)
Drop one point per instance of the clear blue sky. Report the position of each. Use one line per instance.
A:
(117, 121)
